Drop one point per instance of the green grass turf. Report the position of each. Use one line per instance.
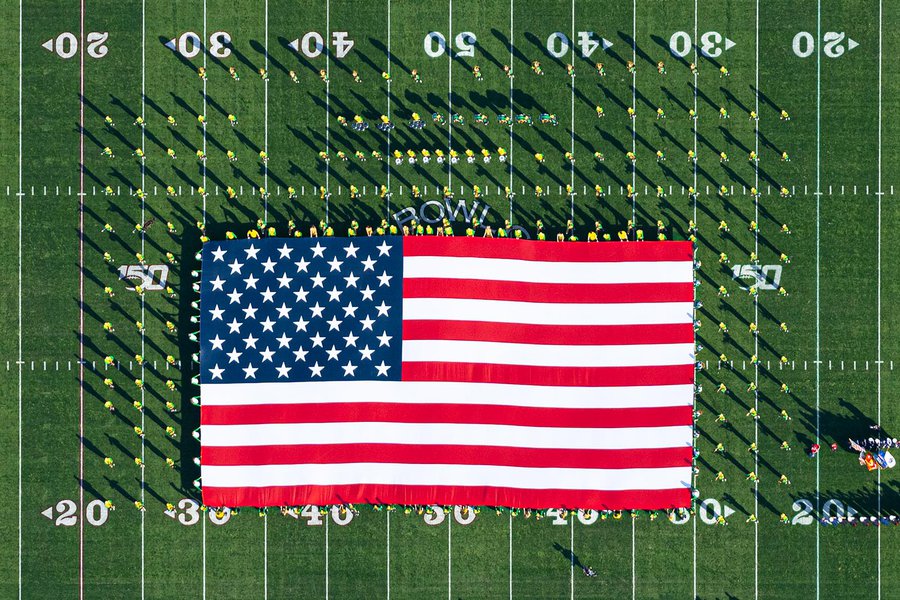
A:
(834, 279)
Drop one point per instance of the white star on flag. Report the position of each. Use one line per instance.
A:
(216, 372)
(285, 251)
(283, 370)
(235, 297)
(269, 265)
(217, 283)
(252, 251)
(318, 250)
(250, 371)
(219, 254)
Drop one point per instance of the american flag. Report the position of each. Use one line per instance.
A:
(453, 371)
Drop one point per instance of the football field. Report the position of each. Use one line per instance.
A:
(769, 132)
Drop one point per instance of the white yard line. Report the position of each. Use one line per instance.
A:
(203, 198)
(204, 557)
(510, 552)
(694, 168)
(511, 114)
(634, 106)
(80, 313)
(572, 555)
(266, 219)
(450, 556)
(19, 360)
(387, 154)
(450, 97)
(143, 236)
(388, 568)
(633, 218)
(572, 131)
(265, 117)
(327, 115)
(633, 572)
(326, 557)
(878, 361)
(756, 320)
(818, 253)
(265, 555)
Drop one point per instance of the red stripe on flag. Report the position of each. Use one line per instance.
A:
(562, 335)
(548, 252)
(469, 414)
(568, 293)
(444, 454)
(548, 376)
(447, 495)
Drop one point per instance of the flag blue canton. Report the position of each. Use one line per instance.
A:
(307, 309)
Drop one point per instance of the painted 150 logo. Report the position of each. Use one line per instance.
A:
(152, 278)
(763, 277)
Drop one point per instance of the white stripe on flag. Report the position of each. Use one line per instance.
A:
(446, 433)
(544, 355)
(454, 475)
(534, 313)
(502, 269)
(451, 392)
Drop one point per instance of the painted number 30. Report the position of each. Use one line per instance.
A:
(712, 44)
(189, 44)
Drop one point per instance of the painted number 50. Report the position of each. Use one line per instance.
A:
(436, 44)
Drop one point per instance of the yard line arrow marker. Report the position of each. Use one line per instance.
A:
(48, 45)
(606, 44)
(727, 510)
(851, 44)
(170, 44)
(295, 45)
(729, 44)
(48, 512)
(169, 513)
